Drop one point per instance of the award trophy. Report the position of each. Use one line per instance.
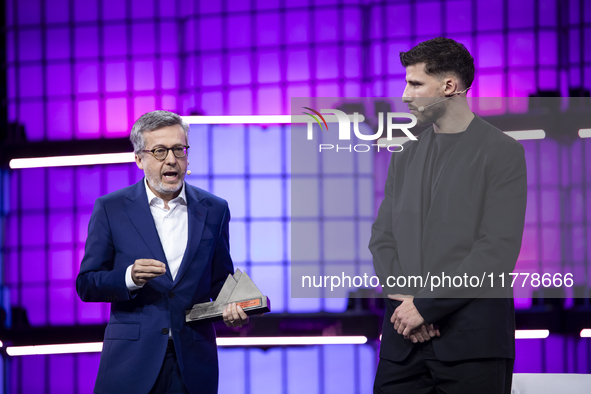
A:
(238, 288)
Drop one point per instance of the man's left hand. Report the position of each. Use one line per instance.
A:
(234, 316)
(406, 317)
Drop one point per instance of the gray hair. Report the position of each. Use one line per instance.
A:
(153, 121)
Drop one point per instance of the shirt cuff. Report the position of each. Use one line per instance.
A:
(131, 286)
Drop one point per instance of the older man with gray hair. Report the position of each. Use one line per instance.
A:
(154, 249)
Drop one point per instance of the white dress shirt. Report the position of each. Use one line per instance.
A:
(172, 225)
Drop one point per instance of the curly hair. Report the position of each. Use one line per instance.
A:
(441, 56)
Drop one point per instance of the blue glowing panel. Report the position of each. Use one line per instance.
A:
(339, 240)
(270, 279)
(143, 75)
(239, 101)
(297, 66)
(352, 66)
(269, 101)
(298, 22)
(462, 16)
(521, 49)
(268, 68)
(531, 210)
(551, 246)
(60, 228)
(87, 370)
(490, 52)
(33, 299)
(490, 15)
(30, 45)
(31, 81)
(232, 370)
(33, 374)
(265, 150)
(33, 14)
(116, 114)
(329, 67)
(338, 197)
(142, 38)
(33, 229)
(548, 164)
(428, 18)
(170, 73)
(528, 356)
(211, 70)
(241, 71)
(269, 361)
(60, 265)
(394, 66)
(210, 33)
(142, 105)
(547, 12)
(85, 11)
(303, 362)
(58, 81)
(32, 116)
(86, 42)
(233, 191)
(60, 126)
(61, 373)
(266, 198)
(56, 11)
(117, 177)
(529, 245)
(61, 304)
(143, 8)
(266, 241)
(88, 119)
(339, 369)
(228, 142)
(115, 77)
(325, 22)
(86, 77)
(33, 264)
(114, 40)
(238, 31)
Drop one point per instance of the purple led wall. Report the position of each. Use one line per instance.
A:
(87, 69)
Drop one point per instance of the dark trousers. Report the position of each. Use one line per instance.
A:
(170, 380)
(422, 373)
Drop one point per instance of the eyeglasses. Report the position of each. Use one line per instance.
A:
(161, 153)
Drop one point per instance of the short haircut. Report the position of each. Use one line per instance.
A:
(153, 121)
(442, 56)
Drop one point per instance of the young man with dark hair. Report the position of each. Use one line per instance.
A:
(454, 204)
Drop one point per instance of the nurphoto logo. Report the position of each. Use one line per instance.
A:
(344, 122)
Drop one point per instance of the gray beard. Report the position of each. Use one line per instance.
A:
(161, 188)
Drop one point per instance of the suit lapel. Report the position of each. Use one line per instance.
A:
(196, 222)
(138, 210)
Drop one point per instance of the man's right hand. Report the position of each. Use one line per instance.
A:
(144, 270)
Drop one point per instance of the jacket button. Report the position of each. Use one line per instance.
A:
(171, 295)
(165, 331)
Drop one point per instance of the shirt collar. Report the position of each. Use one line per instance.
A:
(181, 198)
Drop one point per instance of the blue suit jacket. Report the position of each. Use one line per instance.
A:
(121, 230)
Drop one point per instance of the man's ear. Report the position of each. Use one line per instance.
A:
(138, 161)
(450, 86)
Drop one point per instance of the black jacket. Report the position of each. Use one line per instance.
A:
(474, 225)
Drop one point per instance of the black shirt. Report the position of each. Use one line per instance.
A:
(440, 150)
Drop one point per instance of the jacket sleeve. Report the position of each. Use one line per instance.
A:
(98, 281)
(222, 262)
(382, 244)
(499, 239)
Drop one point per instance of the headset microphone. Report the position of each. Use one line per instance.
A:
(188, 172)
(422, 108)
